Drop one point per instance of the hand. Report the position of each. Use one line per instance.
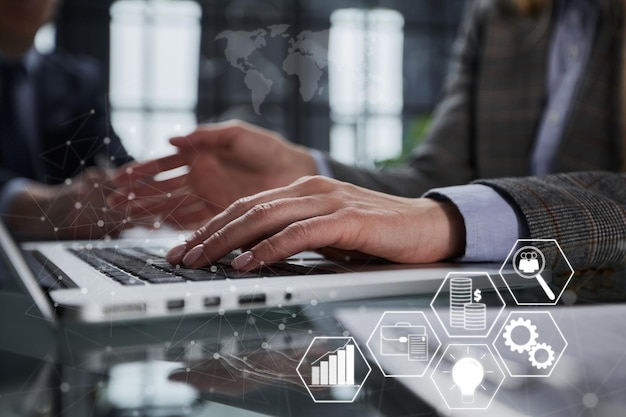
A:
(225, 161)
(76, 210)
(318, 212)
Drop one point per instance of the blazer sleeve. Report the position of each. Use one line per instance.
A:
(74, 120)
(445, 158)
(585, 212)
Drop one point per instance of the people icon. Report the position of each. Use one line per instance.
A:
(528, 262)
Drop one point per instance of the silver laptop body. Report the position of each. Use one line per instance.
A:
(90, 295)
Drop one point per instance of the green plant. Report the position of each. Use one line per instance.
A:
(418, 129)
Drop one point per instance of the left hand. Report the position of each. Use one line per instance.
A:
(73, 210)
(225, 161)
(318, 212)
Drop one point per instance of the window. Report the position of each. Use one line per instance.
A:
(365, 85)
(375, 70)
(154, 71)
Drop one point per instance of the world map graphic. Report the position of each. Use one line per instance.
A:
(307, 59)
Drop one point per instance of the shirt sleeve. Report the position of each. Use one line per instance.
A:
(322, 166)
(492, 225)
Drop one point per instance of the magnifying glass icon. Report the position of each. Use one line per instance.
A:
(529, 263)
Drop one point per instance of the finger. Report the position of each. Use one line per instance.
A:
(240, 207)
(217, 135)
(176, 208)
(260, 221)
(130, 172)
(309, 234)
(172, 205)
(152, 188)
(146, 190)
(210, 136)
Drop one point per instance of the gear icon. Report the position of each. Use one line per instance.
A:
(532, 335)
(544, 362)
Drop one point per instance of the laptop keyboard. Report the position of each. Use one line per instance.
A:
(138, 266)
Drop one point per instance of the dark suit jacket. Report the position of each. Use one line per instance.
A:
(487, 120)
(72, 118)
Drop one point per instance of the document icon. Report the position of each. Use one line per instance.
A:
(404, 339)
(418, 347)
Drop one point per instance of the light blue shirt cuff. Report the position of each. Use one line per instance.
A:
(8, 193)
(321, 163)
(491, 224)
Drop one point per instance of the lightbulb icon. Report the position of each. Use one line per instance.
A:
(467, 374)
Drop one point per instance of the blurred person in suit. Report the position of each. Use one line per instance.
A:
(532, 93)
(55, 136)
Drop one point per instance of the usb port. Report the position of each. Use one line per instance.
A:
(252, 299)
(212, 301)
(175, 304)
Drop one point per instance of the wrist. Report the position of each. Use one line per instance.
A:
(453, 230)
(306, 162)
(298, 162)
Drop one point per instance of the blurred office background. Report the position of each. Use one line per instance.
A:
(357, 78)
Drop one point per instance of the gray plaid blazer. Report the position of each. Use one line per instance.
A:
(487, 120)
(493, 100)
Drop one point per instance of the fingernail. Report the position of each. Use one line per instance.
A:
(243, 260)
(175, 255)
(193, 255)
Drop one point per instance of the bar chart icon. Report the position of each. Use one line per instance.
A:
(334, 368)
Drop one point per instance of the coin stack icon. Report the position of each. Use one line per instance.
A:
(475, 316)
(460, 295)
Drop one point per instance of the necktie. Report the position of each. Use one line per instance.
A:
(15, 154)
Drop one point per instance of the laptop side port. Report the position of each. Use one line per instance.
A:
(176, 304)
(212, 301)
(252, 299)
(125, 308)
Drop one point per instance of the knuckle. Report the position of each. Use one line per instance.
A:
(239, 205)
(235, 126)
(271, 248)
(261, 212)
(298, 231)
(317, 183)
(220, 238)
(198, 234)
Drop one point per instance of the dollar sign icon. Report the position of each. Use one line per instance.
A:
(477, 295)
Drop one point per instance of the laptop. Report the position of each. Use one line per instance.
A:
(128, 279)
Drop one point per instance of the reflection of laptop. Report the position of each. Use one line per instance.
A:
(95, 282)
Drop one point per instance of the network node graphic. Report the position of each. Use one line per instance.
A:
(467, 304)
(403, 344)
(333, 369)
(467, 376)
(542, 264)
(530, 344)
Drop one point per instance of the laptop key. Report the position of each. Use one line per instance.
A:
(126, 280)
(198, 274)
(166, 280)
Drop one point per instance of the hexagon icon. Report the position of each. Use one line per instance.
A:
(468, 376)
(333, 369)
(530, 344)
(403, 344)
(536, 272)
(467, 304)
